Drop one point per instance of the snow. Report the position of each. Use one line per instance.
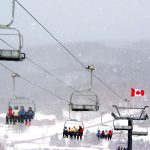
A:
(40, 116)
(36, 137)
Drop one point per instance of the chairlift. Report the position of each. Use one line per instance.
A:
(11, 53)
(104, 128)
(72, 129)
(22, 101)
(121, 125)
(140, 131)
(5, 25)
(85, 100)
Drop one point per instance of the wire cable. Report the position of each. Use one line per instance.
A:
(61, 81)
(61, 44)
(48, 72)
(7, 43)
(58, 41)
(34, 84)
(108, 87)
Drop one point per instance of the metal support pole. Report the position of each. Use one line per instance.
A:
(91, 78)
(14, 95)
(130, 134)
(91, 69)
(14, 87)
(69, 110)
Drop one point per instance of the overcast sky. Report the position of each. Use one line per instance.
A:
(82, 20)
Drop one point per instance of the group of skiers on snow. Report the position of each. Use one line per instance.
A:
(19, 115)
(73, 133)
(104, 134)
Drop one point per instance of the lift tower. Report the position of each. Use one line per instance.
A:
(130, 118)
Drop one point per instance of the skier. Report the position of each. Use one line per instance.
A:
(9, 115)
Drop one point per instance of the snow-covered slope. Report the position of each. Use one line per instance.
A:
(48, 136)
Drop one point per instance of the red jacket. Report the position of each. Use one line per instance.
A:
(10, 112)
(81, 130)
(110, 132)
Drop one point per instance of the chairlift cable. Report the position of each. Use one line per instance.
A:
(38, 86)
(54, 37)
(44, 69)
(56, 78)
(108, 86)
(58, 41)
(7, 43)
(34, 84)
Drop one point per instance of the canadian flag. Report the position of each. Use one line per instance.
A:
(137, 92)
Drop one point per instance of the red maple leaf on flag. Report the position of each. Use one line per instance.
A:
(137, 92)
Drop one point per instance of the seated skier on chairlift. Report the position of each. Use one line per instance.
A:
(80, 133)
(26, 118)
(74, 131)
(10, 116)
(16, 115)
(65, 132)
(98, 134)
(104, 134)
(21, 114)
(110, 133)
(69, 132)
(30, 114)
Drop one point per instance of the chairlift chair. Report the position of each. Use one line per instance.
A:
(121, 125)
(140, 131)
(85, 100)
(103, 126)
(73, 122)
(73, 128)
(5, 25)
(22, 101)
(10, 53)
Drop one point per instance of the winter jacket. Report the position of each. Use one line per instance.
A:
(21, 112)
(16, 112)
(10, 112)
(31, 114)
